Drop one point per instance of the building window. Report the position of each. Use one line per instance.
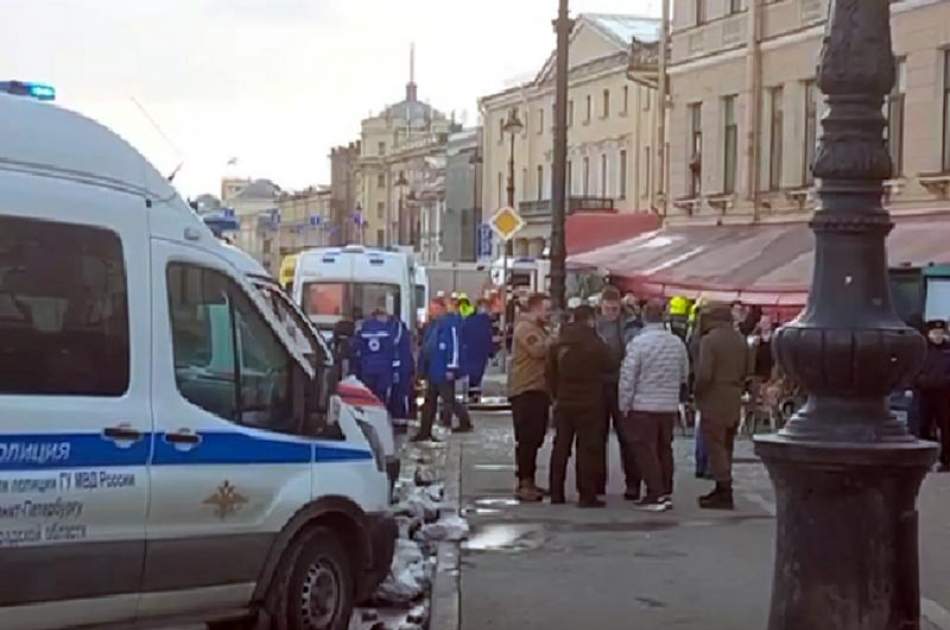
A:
(700, 11)
(626, 100)
(586, 183)
(730, 144)
(587, 117)
(540, 120)
(381, 180)
(64, 315)
(776, 97)
(380, 237)
(695, 150)
(647, 98)
(540, 183)
(603, 175)
(570, 178)
(380, 210)
(524, 184)
(895, 119)
(622, 175)
(735, 6)
(606, 113)
(946, 110)
(382, 148)
(501, 190)
(811, 132)
(501, 129)
(570, 113)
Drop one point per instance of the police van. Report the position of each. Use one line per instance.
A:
(168, 451)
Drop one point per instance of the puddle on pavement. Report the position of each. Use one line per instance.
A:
(502, 467)
(510, 538)
(479, 511)
(496, 502)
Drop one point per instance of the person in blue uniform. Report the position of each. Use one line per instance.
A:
(478, 347)
(401, 392)
(375, 343)
(441, 358)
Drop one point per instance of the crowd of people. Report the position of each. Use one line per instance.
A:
(624, 366)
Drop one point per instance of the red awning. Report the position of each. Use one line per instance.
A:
(766, 264)
(588, 231)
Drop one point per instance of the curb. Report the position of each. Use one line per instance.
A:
(446, 594)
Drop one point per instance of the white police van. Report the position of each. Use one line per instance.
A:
(167, 450)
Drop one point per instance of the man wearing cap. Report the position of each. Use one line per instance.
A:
(720, 381)
(933, 387)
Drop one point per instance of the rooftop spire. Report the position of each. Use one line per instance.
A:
(411, 94)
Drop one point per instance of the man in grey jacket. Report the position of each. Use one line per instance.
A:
(616, 330)
(654, 369)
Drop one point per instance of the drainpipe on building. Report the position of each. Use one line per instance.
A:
(662, 92)
(754, 110)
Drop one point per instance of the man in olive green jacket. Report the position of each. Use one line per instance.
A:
(720, 381)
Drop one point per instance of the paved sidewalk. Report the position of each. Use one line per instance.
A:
(538, 566)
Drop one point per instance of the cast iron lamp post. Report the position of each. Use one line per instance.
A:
(512, 127)
(846, 472)
(562, 26)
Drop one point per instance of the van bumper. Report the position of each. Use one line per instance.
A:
(381, 531)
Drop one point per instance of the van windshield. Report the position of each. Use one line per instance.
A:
(329, 302)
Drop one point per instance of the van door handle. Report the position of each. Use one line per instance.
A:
(122, 433)
(182, 437)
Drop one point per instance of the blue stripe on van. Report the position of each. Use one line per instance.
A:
(86, 450)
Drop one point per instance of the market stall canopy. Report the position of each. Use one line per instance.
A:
(765, 264)
(587, 231)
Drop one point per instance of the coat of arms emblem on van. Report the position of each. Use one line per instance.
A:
(226, 500)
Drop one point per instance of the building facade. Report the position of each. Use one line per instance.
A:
(344, 191)
(306, 220)
(611, 130)
(745, 109)
(463, 197)
(254, 202)
(396, 151)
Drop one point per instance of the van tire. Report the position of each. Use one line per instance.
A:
(320, 590)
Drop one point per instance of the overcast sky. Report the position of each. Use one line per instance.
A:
(273, 83)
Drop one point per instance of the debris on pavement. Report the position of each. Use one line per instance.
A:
(451, 528)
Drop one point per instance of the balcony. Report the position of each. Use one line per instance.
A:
(542, 209)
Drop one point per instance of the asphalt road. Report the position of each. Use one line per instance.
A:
(539, 566)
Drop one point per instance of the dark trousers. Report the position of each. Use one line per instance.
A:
(702, 457)
(628, 458)
(583, 426)
(720, 438)
(934, 419)
(529, 412)
(445, 391)
(651, 436)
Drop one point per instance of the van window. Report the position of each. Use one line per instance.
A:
(64, 320)
(355, 300)
(227, 359)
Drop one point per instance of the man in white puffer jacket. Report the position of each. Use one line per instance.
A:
(654, 370)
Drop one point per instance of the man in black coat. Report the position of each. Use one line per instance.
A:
(577, 364)
(933, 388)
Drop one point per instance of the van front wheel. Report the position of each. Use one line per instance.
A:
(320, 593)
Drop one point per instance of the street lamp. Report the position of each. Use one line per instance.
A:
(401, 183)
(512, 126)
(846, 472)
(562, 26)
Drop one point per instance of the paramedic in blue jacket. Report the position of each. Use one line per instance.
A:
(400, 395)
(478, 347)
(441, 358)
(375, 353)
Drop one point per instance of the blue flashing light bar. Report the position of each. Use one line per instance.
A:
(39, 91)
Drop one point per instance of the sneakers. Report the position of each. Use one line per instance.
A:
(631, 496)
(719, 499)
(527, 493)
(652, 504)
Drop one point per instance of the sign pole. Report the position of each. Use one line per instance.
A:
(505, 223)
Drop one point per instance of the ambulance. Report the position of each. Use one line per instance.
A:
(169, 453)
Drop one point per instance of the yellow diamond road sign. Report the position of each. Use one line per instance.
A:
(506, 223)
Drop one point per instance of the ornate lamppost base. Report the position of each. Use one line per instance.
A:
(846, 550)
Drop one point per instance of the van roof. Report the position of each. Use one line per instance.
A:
(43, 138)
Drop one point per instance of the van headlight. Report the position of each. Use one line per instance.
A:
(375, 444)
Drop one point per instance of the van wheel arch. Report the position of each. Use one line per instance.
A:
(338, 513)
